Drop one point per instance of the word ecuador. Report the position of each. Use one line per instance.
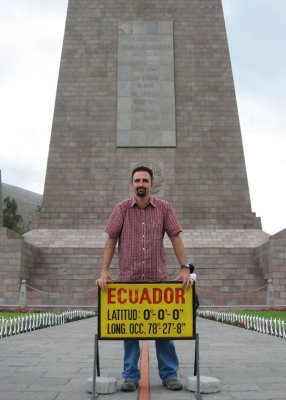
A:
(145, 296)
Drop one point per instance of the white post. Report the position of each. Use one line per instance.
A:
(270, 294)
(23, 293)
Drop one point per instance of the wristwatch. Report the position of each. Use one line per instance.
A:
(184, 266)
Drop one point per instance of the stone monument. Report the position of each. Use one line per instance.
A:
(146, 82)
(142, 82)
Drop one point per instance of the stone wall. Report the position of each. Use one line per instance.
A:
(11, 264)
(63, 266)
(271, 258)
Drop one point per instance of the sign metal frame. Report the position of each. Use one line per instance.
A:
(149, 299)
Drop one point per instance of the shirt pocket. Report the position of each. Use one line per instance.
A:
(156, 230)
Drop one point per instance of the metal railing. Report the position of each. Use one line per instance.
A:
(272, 326)
(31, 322)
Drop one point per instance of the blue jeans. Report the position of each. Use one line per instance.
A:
(168, 363)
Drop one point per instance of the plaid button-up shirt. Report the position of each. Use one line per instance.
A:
(140, 233)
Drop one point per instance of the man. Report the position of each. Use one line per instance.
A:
(139, 224)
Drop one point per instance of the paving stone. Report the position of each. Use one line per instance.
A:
(223, 349)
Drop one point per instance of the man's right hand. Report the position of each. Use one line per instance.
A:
(104, 278)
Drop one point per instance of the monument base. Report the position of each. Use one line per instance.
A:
(233, 265)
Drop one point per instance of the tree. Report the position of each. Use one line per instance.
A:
(11, 219)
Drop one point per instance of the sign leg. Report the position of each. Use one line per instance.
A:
(196, 358)
(197, 368)
(95, 364)
(97, 359)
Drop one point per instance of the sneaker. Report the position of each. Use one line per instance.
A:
(173, 384)
(129, 386)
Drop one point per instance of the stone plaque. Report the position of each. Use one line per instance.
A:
(145, 85)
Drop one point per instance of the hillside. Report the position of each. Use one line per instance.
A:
(26, 200)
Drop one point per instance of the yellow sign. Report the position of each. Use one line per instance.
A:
(146, 311)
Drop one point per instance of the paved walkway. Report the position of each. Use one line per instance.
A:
(54, 364)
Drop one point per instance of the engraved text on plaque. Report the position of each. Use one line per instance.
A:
(145, 85)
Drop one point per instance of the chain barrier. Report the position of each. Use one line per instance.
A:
(231, 293)
(10, 289)
(94, 289)
(48, 293)
(62, 295)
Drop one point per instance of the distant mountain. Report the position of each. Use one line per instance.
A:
(26, 200)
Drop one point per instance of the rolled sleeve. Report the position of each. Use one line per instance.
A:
(172, 225)
(115, 222)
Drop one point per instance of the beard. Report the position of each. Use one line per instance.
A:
(141, 192)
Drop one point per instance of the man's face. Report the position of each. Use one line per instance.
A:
(141, 184)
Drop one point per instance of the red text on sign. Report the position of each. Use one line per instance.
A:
(168, 295)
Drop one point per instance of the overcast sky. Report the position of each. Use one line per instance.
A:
(31, 35)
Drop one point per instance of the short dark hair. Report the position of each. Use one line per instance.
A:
(144, 169)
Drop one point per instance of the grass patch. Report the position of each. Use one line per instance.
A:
(8, 315)
(15, 314)
(267, 314)
(23, 313)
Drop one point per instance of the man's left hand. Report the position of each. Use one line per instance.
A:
(184, 276)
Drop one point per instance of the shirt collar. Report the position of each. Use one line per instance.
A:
(151, 201)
